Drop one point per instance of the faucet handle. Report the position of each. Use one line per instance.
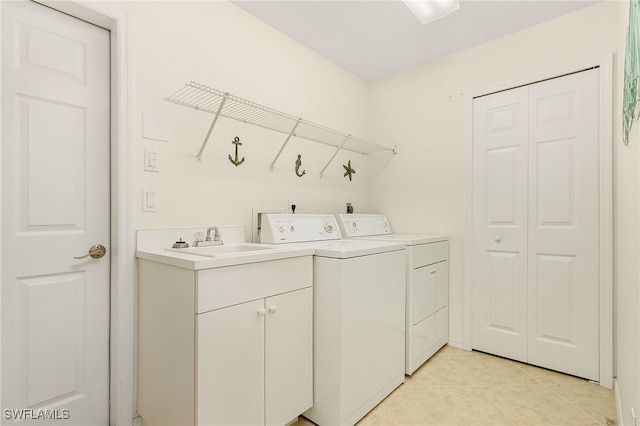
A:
(216, 235)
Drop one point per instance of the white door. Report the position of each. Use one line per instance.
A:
(55, 205)
(563, 241)
(536, 224)
(500, 128)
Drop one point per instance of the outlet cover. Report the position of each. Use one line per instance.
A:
(151, 160)
(149, 200)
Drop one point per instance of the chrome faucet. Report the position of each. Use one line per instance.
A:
(208, 241)
(216, 233)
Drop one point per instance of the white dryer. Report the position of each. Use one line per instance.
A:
(359, 304)
(427, 297)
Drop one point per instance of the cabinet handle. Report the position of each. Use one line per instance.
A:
(497, 238)
(262, 312)
(432, 272)
(273, 309)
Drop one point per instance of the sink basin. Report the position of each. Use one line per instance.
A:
(222, 251)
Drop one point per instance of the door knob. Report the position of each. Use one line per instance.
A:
(497, 238)
(96, 252)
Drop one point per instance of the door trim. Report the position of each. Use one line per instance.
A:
(605, 63)
(122, 320)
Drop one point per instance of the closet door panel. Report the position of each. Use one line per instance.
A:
(500, 130)
(563, 242)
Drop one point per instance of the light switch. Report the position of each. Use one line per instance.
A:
(149, 200)
(151, 160)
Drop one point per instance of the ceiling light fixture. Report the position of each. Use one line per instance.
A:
(431, 10)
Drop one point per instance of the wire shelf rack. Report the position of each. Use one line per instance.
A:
(220, 103)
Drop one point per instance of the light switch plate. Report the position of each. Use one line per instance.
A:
(151, 160)
(149, 200)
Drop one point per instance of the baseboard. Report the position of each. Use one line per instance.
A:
(456, 343)
(616, 394)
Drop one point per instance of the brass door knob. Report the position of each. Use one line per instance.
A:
(97, 251)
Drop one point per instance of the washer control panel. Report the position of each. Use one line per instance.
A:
(294, 228)
(362, 225)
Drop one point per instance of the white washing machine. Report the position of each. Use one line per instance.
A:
(359, 304)
(427, 298)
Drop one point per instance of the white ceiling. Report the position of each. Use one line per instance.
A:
(377, 38)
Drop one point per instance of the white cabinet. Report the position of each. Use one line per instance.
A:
(225, 346)
(256, 351)
(427, 302)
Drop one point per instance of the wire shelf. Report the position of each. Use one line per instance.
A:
(219, 103)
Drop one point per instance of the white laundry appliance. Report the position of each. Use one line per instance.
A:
(427, 297)
(359, 303)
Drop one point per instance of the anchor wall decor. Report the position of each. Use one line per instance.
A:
(236, 142)
(298, 165)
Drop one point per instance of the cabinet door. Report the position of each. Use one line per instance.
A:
(289, 355)
(230, 365)
(430, 290)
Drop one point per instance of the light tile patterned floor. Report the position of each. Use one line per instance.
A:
(460, 388)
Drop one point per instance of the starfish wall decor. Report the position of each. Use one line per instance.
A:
(349, 170)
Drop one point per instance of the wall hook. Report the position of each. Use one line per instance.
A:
(349, 171)
(236, 142)
(298, 165)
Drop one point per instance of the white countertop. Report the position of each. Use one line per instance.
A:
(152, 245)
(197, 262)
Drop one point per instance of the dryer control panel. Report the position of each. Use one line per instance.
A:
(294, 228)
(363, 225)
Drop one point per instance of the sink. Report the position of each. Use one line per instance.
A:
(222, 251)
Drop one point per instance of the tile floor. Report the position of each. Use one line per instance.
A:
(457, 387)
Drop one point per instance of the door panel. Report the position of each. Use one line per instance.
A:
(231, 365)
(536, 224)
(500, 125)
(59, 296)
(54, 190)
(55, 198)
(502, 299)
(289, 356)
(556, 280)
(555, 171)
(564, 225)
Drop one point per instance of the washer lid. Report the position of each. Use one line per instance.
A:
(344, 249)
(408, 239)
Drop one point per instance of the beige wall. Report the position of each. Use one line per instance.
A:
(422, 189)
(218, 44)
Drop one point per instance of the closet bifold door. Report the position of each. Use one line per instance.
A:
(536, 224)
(500, 128)
(563, 237)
